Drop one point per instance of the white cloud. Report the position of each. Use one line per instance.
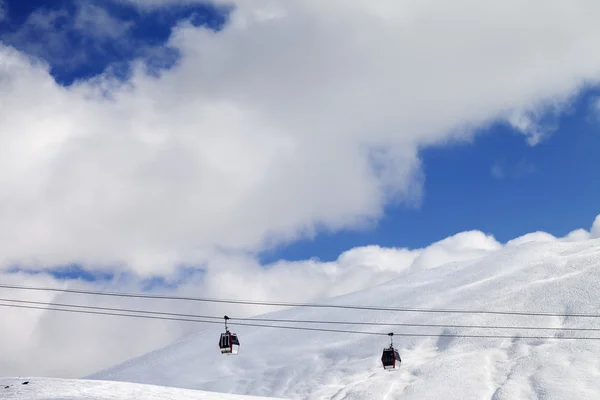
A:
(577, 235)
(267, 130)
(66, 345)
(516, 170)
(528, 125)
(74, 345)
(91, 23)
(463, 246)
(595, 231)
(596, 107)
(582, 234)
(497, 170)
(96, 21)
(55, 47)
(152, 4)
(535, 237)
(529, 122)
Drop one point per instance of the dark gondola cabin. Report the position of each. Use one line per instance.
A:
(390, 356)
(229, 342)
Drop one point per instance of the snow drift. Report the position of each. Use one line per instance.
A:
(548, 276)
(80, 389)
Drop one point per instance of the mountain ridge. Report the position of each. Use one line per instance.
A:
(534, 276)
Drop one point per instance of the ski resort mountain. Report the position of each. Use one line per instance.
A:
(559, 276)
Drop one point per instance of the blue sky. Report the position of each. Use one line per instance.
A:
(550, 187)
(79, 53)
(497, 184)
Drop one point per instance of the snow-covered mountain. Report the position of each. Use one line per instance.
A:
(556, 276)
(79, 389)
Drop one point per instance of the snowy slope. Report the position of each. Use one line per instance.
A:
(79, 389)
(547, 277)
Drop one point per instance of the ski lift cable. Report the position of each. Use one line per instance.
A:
(299, 321)
(402, 334)
(310, 305)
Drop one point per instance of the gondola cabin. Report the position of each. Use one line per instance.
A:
(390, 358)
(229, 343)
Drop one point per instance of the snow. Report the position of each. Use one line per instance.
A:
(545, 276)
(80, 389)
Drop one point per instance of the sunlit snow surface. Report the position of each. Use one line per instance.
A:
(547, 277)
(74, 389)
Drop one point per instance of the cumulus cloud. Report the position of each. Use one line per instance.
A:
(463, 246)
(45, 24)
(539, 237)
(63, 344)
(538, 124)
(66, 41)
(595, 231)
(577, 235)
(528, 125)
(68, 38)
(297, 116)
(96, 21)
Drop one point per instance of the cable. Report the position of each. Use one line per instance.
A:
(195, 320)
(113, 309)
(112, 314)
(312, 305)
(314, 329)
(303, 321)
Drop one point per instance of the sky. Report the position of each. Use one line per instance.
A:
(497, 184)
(233, 148)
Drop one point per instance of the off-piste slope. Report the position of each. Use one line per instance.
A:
(561, 277)
(78, 389)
